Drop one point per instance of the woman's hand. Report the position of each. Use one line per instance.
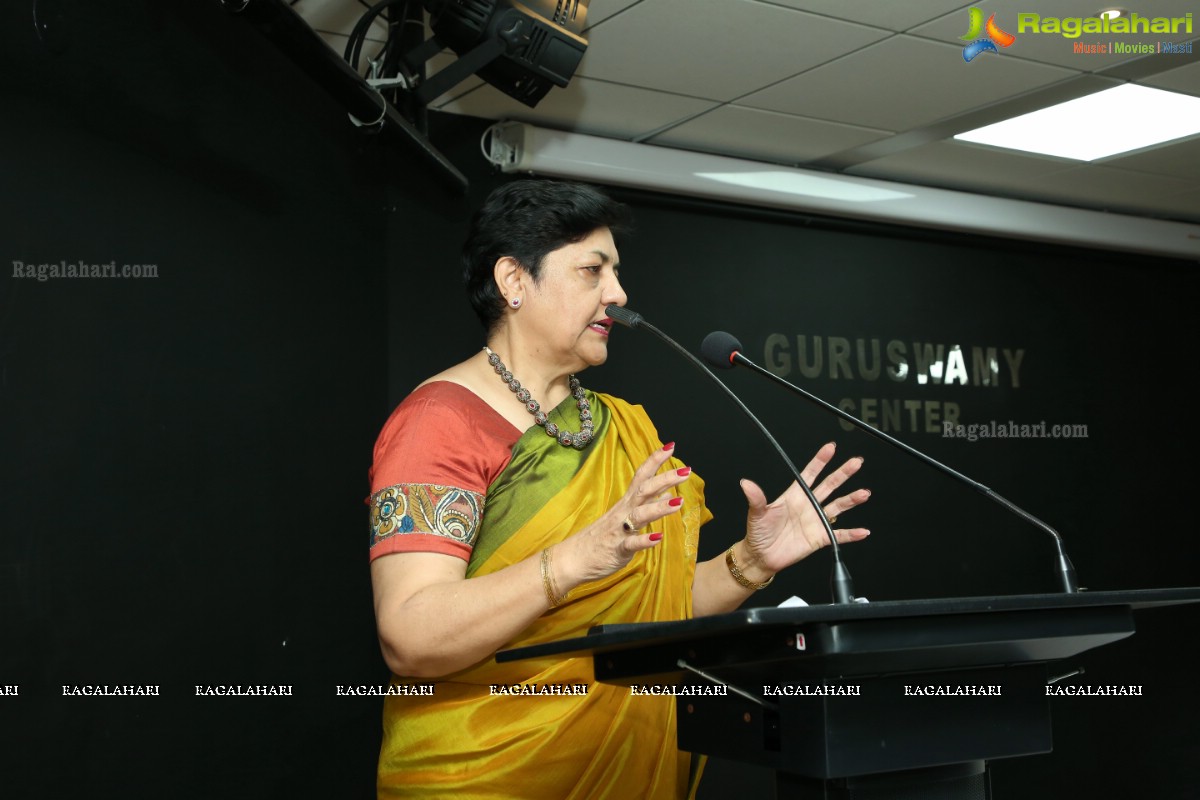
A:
(610, 542)
(783, 532)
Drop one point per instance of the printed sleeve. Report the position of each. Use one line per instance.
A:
(424, 517)
(433, 461)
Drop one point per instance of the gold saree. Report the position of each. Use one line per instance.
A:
(477, 735)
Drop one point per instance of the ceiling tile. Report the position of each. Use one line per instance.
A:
(731, 48)
(902, 83)
(764, 135)
(585, 106)
(1179, 160)
(893, 16)
(600, 10)
(1184, 79)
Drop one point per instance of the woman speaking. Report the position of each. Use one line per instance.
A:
(510, 505)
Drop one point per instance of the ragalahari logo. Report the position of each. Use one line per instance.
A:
(978, 44)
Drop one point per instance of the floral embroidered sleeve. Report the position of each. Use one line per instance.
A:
(433, 461)
(442, 519)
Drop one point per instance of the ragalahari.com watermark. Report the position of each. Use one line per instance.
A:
(60, 270)
(1012, 430)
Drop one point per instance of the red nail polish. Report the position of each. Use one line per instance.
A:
(682, 471)
(669, 446)
(654, 537)
(675, 502)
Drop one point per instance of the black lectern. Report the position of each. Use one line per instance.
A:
(896, 699)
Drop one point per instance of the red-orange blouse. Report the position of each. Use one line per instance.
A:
(433, 461)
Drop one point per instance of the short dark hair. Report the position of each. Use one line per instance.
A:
(528, 219)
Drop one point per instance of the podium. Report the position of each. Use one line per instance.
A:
(872, 701)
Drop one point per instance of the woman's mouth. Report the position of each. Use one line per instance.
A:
(602, 326)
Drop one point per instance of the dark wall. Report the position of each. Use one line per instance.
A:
(184, 457)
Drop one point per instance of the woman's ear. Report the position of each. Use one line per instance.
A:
(510, 278)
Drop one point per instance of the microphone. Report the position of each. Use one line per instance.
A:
(723, 351)
(841, 583)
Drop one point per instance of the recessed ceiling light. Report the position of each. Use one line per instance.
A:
(1117, 120)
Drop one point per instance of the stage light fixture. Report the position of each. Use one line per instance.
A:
(521, 47)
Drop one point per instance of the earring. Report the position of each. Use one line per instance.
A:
(515, 302)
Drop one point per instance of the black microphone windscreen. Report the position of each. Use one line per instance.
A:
(623, 315)
(718, 349)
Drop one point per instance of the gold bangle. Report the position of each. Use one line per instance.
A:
(736, 571)
(548, 582)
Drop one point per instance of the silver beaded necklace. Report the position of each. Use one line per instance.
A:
(578, 440)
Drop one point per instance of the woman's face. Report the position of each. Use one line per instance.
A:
(564, 310)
